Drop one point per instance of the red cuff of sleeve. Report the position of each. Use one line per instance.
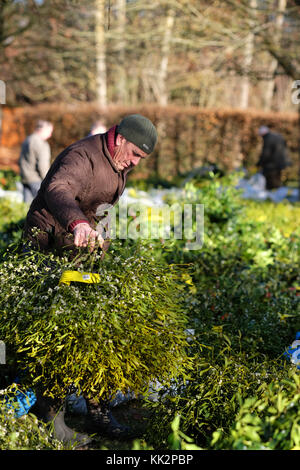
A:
(76, 222)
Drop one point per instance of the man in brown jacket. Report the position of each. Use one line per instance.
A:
(88, 173)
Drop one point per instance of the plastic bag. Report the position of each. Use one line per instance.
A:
(293, 351)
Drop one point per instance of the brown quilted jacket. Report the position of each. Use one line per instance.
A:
(81, 178)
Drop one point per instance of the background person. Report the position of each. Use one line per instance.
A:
(273, 158)
(34, 160)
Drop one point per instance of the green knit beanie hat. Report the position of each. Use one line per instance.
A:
(138, 130)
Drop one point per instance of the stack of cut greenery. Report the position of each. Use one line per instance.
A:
(239, 293)
(244, 304)
(118, 334)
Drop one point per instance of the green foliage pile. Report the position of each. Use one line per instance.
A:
(240, 294)
(243, 302)
(266, 421)
(119, 334)
(12, 219)
(8, 179)
(26, 432)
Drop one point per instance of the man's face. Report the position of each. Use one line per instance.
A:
(127, 154)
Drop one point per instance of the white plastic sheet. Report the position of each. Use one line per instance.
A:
(255, 188)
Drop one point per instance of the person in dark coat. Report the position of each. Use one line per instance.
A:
(273, 158)
(88, 173)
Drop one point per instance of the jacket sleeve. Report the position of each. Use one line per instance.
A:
(43, 158)
(66, 184)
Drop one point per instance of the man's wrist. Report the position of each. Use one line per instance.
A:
(76, 222)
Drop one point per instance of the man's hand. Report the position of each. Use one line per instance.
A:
(84, 235)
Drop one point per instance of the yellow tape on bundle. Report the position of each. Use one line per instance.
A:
(75, 276)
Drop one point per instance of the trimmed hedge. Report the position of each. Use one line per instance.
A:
(188, 137)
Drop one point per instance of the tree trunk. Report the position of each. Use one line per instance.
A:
(163, 69)
(248, 56)
(269, 87)
(121, 71)
(159, 86)
(101, 88)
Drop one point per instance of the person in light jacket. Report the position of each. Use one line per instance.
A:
(34, 160)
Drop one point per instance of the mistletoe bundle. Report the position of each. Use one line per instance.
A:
(118, 334)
